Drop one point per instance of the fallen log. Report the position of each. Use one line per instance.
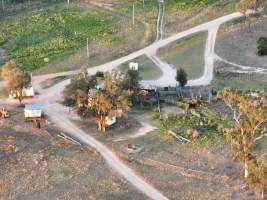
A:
(178, 137)
(64, 136)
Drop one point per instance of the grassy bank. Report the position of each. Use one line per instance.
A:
(187, 53)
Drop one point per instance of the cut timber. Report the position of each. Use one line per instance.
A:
(62, 135)
(178, 137)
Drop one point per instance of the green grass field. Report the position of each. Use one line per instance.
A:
(187, 53)
(148, 70)
(54, 33)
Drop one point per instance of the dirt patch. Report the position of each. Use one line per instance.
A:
(39, 164)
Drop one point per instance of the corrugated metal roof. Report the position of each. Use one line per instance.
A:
(32, 107)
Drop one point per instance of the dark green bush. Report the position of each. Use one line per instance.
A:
(262, 46)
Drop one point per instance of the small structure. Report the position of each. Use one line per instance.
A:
(26, 92)
(133, 66)
(32, 111)
(111, 120)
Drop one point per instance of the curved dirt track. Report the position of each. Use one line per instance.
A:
(59, 114)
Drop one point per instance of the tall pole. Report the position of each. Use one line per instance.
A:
(133, 13)
(143, 3)
(3, 5)
(68, 2)
(87, 49)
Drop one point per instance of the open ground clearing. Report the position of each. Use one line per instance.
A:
(240, 44)
(38, 164)
(240, 81)
(187, 54)
(206, 171)
(148, 70)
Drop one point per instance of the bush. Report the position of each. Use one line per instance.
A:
(262, 46)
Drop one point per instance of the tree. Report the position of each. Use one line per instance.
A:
(80, 86)
(262, 46)
(15, 78)
(109, 101)
(248, 117)
(245, 5)
(131, 82)
(181, 77)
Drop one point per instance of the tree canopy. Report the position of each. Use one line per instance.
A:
(15, 78)
(249, 116)
(181, 77)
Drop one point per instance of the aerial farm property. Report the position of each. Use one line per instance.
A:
(143, 99)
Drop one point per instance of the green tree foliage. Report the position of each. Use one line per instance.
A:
(76, 92)
(15, 78)
(109, 101)
(181, 77)
(131, 82)
(262, 46)
(249, 115)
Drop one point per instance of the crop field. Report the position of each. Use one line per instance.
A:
(54, 33)
(187, 53)
(147, 69)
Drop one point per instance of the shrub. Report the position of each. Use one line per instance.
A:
(262, 46)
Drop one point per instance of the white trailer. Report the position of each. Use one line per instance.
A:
(32, 111)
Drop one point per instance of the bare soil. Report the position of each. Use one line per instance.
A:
(38, 164)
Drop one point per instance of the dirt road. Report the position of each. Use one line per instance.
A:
(59, 114)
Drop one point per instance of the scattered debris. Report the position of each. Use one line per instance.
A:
(194, 113)
(131, 148)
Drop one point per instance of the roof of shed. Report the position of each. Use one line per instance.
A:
(32, 107)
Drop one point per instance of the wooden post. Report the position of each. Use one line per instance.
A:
(133, 14)
(3, 5)
(87, 49)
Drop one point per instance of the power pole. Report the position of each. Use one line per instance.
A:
(68, 2)
(143, 3)
(3, 5)
(87, 49)
(133, 13)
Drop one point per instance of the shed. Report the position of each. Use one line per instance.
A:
(32, 111)
(111, 120)
(133, 66)
(26, 92)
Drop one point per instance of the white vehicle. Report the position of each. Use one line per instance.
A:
(111, 120)
(32, 111)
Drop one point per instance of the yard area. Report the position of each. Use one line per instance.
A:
(147, 69)
(237, 81)
(187, 53)
(238, 44)
(202, 169)
(38, 164)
